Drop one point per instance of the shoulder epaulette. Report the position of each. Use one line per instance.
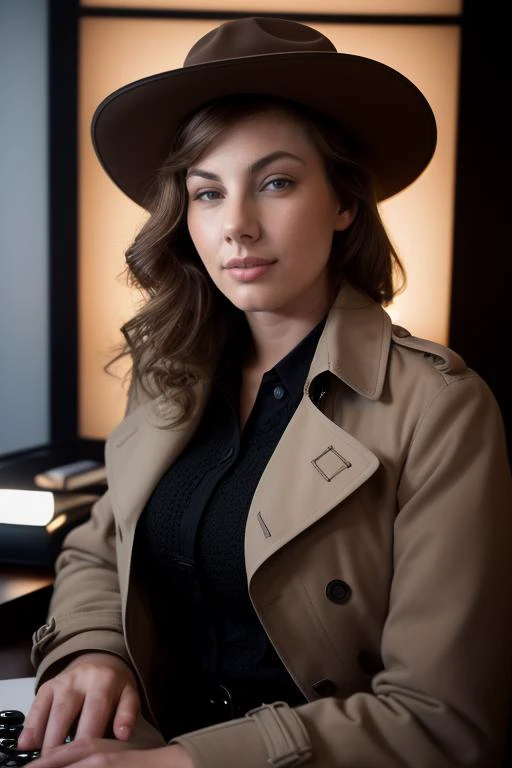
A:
(444, 358)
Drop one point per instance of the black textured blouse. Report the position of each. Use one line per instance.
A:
(189, 544)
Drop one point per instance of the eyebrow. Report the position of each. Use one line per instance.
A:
(254, 168)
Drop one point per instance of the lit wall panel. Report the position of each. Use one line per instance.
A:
(116, 51)
(423, 7)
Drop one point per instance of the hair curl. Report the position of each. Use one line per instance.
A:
(185, 322)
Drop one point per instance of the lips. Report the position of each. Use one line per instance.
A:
(248, 269)
(247, 262)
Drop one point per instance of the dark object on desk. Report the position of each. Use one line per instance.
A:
(39, 544)
(11, 725)
(36, 546)
(17, 470)
(73, 476)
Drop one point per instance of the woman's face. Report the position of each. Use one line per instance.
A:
(262, 215)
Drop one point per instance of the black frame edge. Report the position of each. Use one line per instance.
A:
(63, 218)
(311, 16)
(482, 264)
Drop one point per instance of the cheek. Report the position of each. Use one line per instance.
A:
(310, 228)
(193, 228)
(200, 237)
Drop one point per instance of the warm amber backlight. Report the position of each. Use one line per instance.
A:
(116, 51)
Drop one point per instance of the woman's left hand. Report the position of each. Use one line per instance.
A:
(110, 753)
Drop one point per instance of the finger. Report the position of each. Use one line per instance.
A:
(36, 720)
(126, 713)
(95, 716)
(85, 753)
(66, 707)
(74, 754)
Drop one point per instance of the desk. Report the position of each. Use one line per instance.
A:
(24, 597)
(25, 591)
(17, 693)
(18, 581)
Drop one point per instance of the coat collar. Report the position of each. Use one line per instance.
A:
(355, 343)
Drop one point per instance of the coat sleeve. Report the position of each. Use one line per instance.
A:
(85, 608)
(85, 612)
(436, 704)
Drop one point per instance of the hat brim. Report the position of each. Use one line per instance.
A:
(388, 116)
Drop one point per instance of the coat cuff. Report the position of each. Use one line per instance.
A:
(87, 642)
(272, 734)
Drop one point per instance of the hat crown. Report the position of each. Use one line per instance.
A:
(382, 112)
(256, 37)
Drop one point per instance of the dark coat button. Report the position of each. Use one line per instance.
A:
(325, 687)
(369, 664)
(338, 591)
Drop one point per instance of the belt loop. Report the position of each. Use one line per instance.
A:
(284, 734)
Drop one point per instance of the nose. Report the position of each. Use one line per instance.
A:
(241, 223)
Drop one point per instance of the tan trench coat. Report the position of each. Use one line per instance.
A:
(378, 553)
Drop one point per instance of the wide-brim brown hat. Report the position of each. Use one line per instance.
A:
(382, 111)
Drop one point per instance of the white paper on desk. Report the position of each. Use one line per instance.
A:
(17, 693)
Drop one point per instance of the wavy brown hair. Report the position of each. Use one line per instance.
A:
(185, 322)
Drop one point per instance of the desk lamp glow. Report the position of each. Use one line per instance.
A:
(34, 523)
(26, 507)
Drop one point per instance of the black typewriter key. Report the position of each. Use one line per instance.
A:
(12, 717)
(13, 759)
(8, 744)
(11, 724)
(26, 757)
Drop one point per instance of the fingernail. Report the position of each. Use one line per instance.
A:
(123, 732)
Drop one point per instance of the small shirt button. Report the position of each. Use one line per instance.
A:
(338, 591)
(325, 687)
(279, 392)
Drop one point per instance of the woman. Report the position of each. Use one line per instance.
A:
(303, 556)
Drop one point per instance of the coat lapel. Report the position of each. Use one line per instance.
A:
(317, 464)
(314, 467)
(140, 450)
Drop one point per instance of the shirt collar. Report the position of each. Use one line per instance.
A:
(293, 368)
(353, 343)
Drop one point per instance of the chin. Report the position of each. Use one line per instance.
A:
(251, 304)
(254, 299)
(245, 306)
